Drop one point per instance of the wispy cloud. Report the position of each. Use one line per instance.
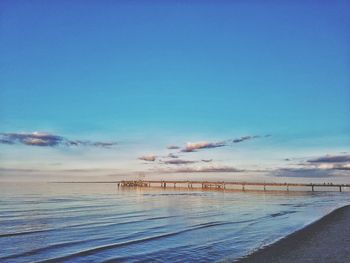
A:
(303, 172)
(206, 169)
(342, 167)
(331, 159)
(324, 166)
(171, 155)
(310, 172)
(330, 162)
(245, 138)
(35, 139)
(192, 147)
(173, 147)
(47, 140)
(195, 146)
(148, 158)
(178, 161)
(103, 144)
(250, 137)
(6, 170)
(6, 141)
(328, 166)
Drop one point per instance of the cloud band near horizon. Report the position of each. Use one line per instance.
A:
(44, 139)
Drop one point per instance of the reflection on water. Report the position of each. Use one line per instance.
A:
(99, 222)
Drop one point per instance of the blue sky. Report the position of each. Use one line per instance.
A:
(149, 74)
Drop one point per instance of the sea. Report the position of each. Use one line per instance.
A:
(99, 222)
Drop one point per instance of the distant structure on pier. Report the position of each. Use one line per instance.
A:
(221, 185)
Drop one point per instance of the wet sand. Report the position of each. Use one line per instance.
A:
(326, 240)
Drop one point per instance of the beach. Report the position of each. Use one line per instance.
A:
(326, 240)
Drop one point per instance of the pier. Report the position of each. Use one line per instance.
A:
(221, 185)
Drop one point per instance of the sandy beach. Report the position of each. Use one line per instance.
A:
(326, 240)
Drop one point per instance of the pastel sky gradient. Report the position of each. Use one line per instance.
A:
(99, 90)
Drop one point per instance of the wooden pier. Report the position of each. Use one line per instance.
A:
(221, 185)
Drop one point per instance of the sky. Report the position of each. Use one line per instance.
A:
(231, 90)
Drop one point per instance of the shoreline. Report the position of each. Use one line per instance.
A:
(325, 240)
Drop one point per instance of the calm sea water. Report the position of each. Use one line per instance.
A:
(101, 223)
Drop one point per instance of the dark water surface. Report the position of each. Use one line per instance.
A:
(101, 223)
